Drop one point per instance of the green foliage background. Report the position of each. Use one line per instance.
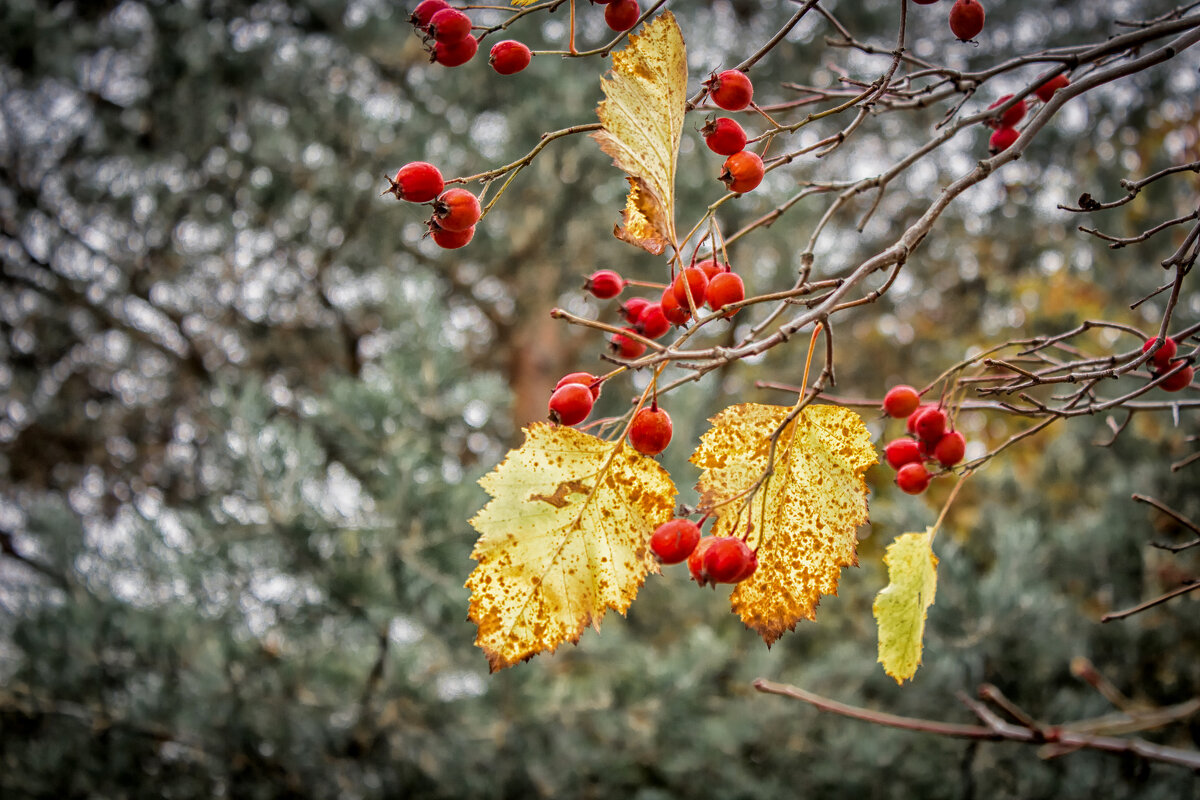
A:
(245, 405)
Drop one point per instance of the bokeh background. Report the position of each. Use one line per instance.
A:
(244, 406)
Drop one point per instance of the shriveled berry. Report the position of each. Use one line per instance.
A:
(674, 541)
(966, 19)
(1163, 355)
(417, 182)
(604, 284)
(621, 15)
(731, 89)
(690, 280)
(1002, 139)
(653, 322)
(450, 25)
(450, 240)
(456, 210)
(425, 11)
(626, 346)
(586, 378)
(650, 431)
(1047, 89)
(950, 449)
(902, 451)
(509, 57)
(725, 289)
(1009, 118)
(900, 401)
(672, 310)
(455, 54)
(742, 172)
(912, 478)
(931, 425)
(1180, 380)
(724, 136)
(571, 403)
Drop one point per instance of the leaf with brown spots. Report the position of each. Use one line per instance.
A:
(802, 519)
(564, 538)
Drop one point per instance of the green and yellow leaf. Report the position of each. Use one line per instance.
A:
(564, 538)
(900, 607)
(642, 115)
(802, 519)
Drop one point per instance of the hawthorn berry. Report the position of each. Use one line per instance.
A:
(902, 451)
(621, 15)
(626, 346)
(722, 559)
(742, 172)
(1002, 139)
(650, 431)
(1047, 89)
(586, 378)
(653, 321)
(900, 401)
(1163, 355)
(711, 268)
(724, 136)
(450, 240)
(455, 54)
(966, 19)
(911, 423)
(632, 309)
(456, 210)
(417, 182)
(509, 57)
(425, 11)
(674, 312)
(931, 425)
(731, 89)
(673, 541)
(691, 280)
(1010, 118)
(726, 288)
(925, 2)
(571, 403)
(604, 284)
(912, 478)
(950, 449)
(449, 25)
(1179, 380)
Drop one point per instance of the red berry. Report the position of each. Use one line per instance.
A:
(1001, 140)
(650, 431)
(726, 288)
(711, 268)
(722, 559)
(1010, 118)
(425, 11)
(626, 346)
(950, 449)
(911, 424)
(966, 19)
(731, 89)
(1163, 355)
(571, 403)
(417, 182)
(900, 401)
(450, 25)
(509, 57)
(632, 309)
(455, 54)
(672, 310)
(604, 284)
(1179, 380)
(586, 378)
(694, 280)
(653, 322)
(742, 172)
(912, 478)
(1047, 89)
(621, 15)
(931, 425)
(456, 210)
(925, 2)
(450, 240)
(902, 451)
(674, 541)
(724, 136)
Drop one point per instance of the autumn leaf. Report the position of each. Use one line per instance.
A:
(642, 115)
(802, 519)
(900, 607)
(564, 538)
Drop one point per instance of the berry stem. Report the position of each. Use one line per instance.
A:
(950, 501)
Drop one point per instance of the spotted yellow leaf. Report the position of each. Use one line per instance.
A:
(564, 538)
(802, 519)
(642, 115)
(900, 607)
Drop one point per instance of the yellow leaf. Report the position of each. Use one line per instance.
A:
(564, 538)
(642, 117)
(900, 607)
(802, 519)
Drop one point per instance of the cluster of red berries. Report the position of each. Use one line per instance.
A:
(455, 211)
(931, 439)
(743, 170)
(572, 400)
(1164, 361)
(711, 559)
(1005, 125)
(447, 33)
